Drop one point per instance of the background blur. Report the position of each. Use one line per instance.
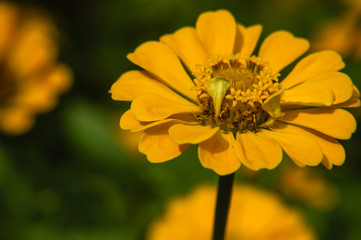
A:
(75, 176)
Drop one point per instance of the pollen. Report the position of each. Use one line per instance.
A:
(239, 109)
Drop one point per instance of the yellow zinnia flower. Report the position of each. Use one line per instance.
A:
(254, 214)
(30, 77)
(235, 108)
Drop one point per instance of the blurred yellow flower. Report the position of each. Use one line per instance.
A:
(307, 185)
(30, 77)
(344, 34)
(235, 108)
(254, 214)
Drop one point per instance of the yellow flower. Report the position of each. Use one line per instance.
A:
(235, 108)
(308, 185)
(254, 214)
(30, 77)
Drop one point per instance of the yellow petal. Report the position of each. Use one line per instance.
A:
(35, 49)
(217, 153)
(8, 20)
(126, 89)
(336, 123)
(247, 38)
(193, 134)
(217, 32)
(340, 84)
(333, 152)
(313, 65)
(152, 107)
(16, 121)
(281, 48)
(129, 122)
(186, 44)
(308, 94)
(158, 146)
(353, 102)
(160, 60)
(301, 149)
(257, 152)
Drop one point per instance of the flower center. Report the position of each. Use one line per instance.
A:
(231, 91)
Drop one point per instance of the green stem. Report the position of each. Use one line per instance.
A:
(223, 200)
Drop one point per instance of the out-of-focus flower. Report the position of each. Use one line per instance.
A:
(307, 185)
(235, 108)
(30, 77)
(342, 35)
(254, 214)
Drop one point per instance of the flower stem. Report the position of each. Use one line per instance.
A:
(223, 200)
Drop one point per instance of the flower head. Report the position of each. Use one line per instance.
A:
(30, 77)
(237, 106)
(254, 214)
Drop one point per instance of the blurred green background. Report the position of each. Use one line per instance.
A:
(71, 177)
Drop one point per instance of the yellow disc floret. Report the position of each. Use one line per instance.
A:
(231, 91)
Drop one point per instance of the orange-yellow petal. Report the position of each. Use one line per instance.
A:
(333, 152)
(257, 152)
(193, 134)
(16, 121)
(308, 94)
(8, 20)
(217, 32)
(152, 107)
(336, 123)
(247, 38)
(302, 149)
(281, 48)
(129, 122)
(339, 82)
(160, 60)
(126, 89)
(354, 101)
(186, 44)
(35, 49)
(217, 153)
(158, 146)
(313, 65)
